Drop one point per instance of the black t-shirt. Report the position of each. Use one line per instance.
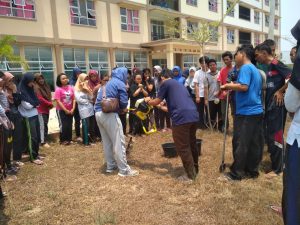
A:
(276, 76)
(132, 89)
(152, 92)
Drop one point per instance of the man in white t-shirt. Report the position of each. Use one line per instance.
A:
(200, 91)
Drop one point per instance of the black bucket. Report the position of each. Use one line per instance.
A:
(169, 150)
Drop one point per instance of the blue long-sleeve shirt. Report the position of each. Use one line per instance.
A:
(115, 88)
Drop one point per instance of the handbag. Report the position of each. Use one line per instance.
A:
(109, 105)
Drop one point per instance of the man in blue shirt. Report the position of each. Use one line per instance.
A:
(184, 117)
(248, 136)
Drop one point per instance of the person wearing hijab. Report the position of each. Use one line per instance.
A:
(177, 75)
(28, 110)
(189, 84)
(14, 116)
(84, 99)
(291, 172)
(43, 92)
(110, 124)
(94, 83)
(73, 80)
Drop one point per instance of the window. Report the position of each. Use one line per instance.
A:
(157, 30)
(256, 39)
(140, 60)
(14, 68)
(244, 13)
(40, 61)
(267, 2)
(123, 58)
(191, 2)
(214, 35)
(256, 17)
(230, 36)
(267, 18)
(213, 5)
(229, 5)
(245, 38)
(74, 57)
(276, 4)
(190, 60)
(276, 23)
(18, 8)
(191, 26)
(129, 20)
(83, 12)
(98, 60)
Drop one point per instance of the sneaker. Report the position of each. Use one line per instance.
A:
(129, 173)
(185, 179)
(46, 145)
(19, 163)
(228, 177)
(111, 170)
(11, 178)
(79, 139)
(11, 172)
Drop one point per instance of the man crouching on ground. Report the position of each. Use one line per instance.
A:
(248, 136)
(184, 117)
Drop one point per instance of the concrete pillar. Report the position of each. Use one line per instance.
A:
(170, 56)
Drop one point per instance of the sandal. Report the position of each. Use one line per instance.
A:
(276, 209)
(38, 162)
(271, 175)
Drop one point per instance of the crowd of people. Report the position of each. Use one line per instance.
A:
(253, 82)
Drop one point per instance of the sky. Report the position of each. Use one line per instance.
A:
(289, 17)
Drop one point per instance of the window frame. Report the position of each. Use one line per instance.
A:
(256, 17)
(138, 55)
(192, 2)
(267, 20)
(160, 26)
(227, 35)
(256, 39)
(102, 65)
(213, 6)
(228, 5)
(133, 23)
(76, 13)
(12, 9)
(244, 15)
(190, 60)
(123, 63)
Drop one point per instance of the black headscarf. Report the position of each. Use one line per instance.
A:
(295, 79)
(27, 93)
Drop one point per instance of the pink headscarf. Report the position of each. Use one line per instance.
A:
(93, 84)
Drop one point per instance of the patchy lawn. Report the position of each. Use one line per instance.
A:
(71, 188)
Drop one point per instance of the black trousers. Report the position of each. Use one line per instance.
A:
(18, 133)
(164, 118)
(33, 136)
(137, 126)
(247, 143)
(123, 118)
(66, 122)
(215, 115)
(274, 121)
(156, 117)
(88, 130)
(77, 121)
(201, 110)
(291, 185)
(7, 147)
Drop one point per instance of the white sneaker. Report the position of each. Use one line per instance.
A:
(111, 170)
(129, 173)
(79, 139)
(46, 145)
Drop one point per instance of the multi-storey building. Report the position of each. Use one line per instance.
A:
(57, 35)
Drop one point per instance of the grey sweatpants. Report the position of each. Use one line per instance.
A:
(113, 140)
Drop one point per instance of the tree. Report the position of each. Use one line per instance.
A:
(7, 51)
(173, 27)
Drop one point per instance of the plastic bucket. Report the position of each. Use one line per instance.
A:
(169, 150)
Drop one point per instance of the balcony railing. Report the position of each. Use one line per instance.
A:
(168, 4)
(245, 41)
(157, 36)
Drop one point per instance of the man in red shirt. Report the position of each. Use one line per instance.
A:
(222, 79)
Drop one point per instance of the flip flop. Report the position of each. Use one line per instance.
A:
(38, 162)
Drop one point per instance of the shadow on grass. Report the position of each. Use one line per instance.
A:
(3, 217)
(163, 169)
